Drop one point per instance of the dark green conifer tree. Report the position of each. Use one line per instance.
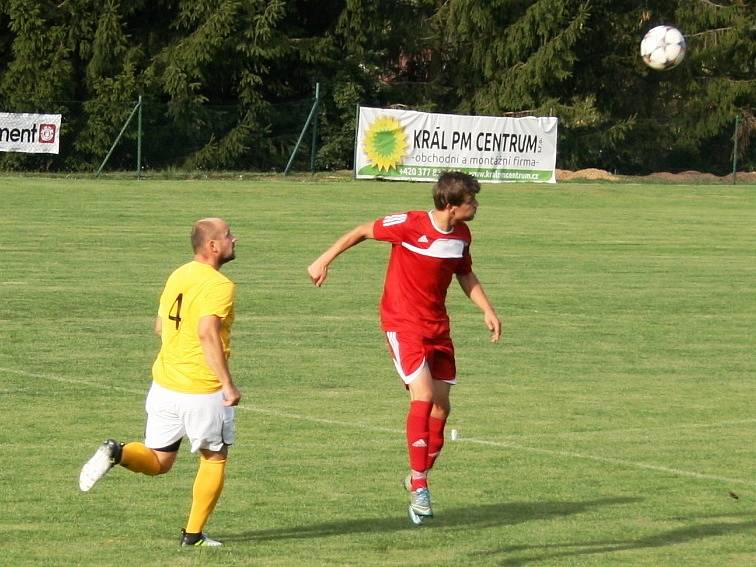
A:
(222, 80)
(39, 77)
(722, 46)
(579, 60)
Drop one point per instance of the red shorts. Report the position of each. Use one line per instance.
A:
(412, 352)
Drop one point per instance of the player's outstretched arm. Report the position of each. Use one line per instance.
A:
(318, 270)
(474, 290)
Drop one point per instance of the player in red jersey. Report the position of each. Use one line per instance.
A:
(428, 248)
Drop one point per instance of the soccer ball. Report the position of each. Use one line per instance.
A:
(663, 47)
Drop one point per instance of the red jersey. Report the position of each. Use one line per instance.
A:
(423, 260)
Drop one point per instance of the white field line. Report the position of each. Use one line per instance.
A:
(630, 430)
(516, 446)
(358, 425)
(620, 462)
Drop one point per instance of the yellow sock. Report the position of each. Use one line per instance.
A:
(138, 458)
(208, 485)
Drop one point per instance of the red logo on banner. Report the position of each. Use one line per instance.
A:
(47, 133)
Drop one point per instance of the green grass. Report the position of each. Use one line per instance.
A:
(607, 428)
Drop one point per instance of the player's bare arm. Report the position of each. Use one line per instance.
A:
(209, 336)
(158, 326)
(474, 290)
(318, 270)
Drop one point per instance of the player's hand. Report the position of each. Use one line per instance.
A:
(494, 325)
(318, 273)
(231, 395)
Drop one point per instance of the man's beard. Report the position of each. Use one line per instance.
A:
(228, 258)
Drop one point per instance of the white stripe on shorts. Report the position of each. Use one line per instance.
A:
(394, 343)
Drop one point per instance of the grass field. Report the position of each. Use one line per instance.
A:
(613, 425)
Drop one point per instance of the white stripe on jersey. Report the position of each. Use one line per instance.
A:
(441, 248)
(391, 220)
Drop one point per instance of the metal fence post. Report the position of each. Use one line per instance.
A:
(313, 147)
(139, 139)
(313, 112)
(735, 150)
(118, 138)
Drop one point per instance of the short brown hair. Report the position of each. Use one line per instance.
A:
(453, 187)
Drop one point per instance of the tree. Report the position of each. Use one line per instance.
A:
(578, 60)
(227, 83)
(722, 43)
(549, 57)
(40, 75)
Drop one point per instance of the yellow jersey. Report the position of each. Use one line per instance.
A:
(193, 291)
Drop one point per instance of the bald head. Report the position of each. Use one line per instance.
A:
(213, 242)
(205, 230)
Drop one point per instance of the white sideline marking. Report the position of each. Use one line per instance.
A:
(73, 381)
(611, 460)
(508, 445)
(626, 430)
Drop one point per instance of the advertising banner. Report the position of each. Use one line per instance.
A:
(29, 133)
(418, 146)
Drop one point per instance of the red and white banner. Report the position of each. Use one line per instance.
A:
(29, 133)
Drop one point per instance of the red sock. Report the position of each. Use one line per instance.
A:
(435, 439)
(417, 441)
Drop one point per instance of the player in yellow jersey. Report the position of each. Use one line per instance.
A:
(192, 393)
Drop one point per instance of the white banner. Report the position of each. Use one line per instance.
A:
(30, 133)
(418, 146)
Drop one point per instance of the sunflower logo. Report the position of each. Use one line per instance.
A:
(385, 143)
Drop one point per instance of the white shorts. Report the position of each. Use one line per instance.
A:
(202, 418)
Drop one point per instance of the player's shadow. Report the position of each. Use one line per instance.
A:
(548, 552)
(489, 515)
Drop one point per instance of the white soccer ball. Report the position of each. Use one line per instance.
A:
(663, 47)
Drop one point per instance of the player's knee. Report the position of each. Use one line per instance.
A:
(165, 462)
(441, 410)
(209, 455)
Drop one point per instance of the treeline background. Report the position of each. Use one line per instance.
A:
(227, 84)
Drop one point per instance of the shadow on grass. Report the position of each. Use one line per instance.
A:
(550, 552)
(490, 515)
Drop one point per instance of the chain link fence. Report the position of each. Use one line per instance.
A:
(232, 138)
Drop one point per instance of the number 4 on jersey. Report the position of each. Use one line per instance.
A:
(177, 306)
